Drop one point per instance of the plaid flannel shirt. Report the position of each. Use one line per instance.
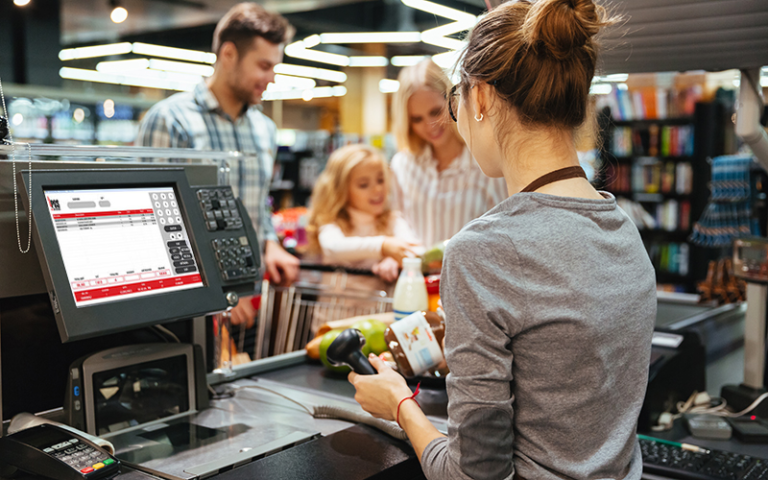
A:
(195, 120)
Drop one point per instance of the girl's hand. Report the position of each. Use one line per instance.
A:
(380, 394)
(397, 249)
(388, 269)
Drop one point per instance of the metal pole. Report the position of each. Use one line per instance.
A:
(754, 335)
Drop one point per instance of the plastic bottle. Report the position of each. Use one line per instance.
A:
(410, 291)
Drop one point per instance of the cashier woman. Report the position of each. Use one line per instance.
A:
(549, 297)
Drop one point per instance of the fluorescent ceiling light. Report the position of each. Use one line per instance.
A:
(95, 51)
(367, 61)
(301, 49)
(440, 41)
(175, 53)
(406, 60)
(600, 89)
(372, 37)
(616, 77)
(295, 82)
(388, 86)
(298, 93)
(21, 3)
(440, 10)
(121, 66)
(118, 15)
(132, 80)
(311, 41)
(447, 59)
(439, 36)
(181, 67)
(311, 72)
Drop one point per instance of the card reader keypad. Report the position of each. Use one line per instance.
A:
(79, 456)
(219, 208)
(235, 257)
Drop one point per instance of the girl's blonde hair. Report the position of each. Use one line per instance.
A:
(425, 75)
(331, 192)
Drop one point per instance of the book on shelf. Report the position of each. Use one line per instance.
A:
(652, 140)
(670, 257)
(650, 103)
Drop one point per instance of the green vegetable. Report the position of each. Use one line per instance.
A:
(373, 331)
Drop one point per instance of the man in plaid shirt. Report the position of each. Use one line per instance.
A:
(223, 113)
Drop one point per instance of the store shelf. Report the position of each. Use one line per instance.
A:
(657, 121)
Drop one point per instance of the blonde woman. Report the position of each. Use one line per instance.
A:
(438, 186)
(351, 223)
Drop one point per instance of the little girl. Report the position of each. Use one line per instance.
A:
(351, 223)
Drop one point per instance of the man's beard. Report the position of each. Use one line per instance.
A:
(243, 94)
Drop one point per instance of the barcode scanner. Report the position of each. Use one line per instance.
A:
(346, 350)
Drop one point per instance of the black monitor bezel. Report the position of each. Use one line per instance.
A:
(77, 323)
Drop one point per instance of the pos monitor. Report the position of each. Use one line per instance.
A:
(125, 248)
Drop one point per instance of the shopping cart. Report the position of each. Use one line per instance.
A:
(289, 317)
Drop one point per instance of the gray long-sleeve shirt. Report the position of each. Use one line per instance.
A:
(550, 305)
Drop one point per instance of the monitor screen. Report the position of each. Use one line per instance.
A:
(122, 243)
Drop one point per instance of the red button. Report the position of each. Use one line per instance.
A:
(87, 470)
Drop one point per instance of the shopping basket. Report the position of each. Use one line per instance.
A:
(289, 317)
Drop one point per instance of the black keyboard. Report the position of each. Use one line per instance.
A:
(674, 462)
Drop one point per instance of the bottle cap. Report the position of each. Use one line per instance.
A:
(411, 262)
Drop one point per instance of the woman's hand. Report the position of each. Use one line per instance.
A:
(387, 269)
(397, 249)
(380, 394)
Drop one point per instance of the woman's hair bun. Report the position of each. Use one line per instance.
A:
(558, 27)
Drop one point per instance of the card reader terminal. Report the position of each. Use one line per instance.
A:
(54, 452)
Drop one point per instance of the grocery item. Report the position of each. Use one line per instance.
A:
(313, 347)
(410, 291)
(416, 343)
(386, 318)
(432, 260)
(373, 331)
(433, 292)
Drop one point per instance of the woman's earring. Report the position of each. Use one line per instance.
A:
(479, 119)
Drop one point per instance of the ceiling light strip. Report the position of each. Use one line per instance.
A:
(368, 61)
(441, 10)
(131, 80)
(95, 51)
(371, 37)
(311, 72)
(296, 94)
(171, 52)
(407, 60)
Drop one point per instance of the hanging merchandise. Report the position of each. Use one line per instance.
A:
(728, 214)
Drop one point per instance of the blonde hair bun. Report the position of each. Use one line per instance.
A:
(562, 26)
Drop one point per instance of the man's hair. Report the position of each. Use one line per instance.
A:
(248, 20)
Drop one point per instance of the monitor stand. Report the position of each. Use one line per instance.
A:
(741, 396)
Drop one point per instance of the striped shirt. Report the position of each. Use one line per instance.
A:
(195, 120)
(438, 204)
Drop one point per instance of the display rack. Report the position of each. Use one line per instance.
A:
(663, 165)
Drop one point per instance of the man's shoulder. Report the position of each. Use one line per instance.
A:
(181, 103)
(259, 118)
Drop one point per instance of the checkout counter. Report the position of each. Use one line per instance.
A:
(253, 427)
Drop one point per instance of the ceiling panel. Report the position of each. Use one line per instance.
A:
(680, 35)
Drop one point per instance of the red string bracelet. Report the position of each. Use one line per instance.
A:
(412, 397)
